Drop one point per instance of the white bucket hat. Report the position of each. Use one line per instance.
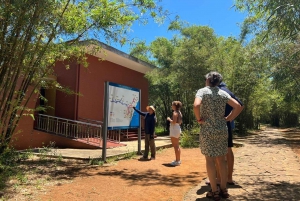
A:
(150, 106)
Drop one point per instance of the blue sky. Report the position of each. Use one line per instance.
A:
(217, 14)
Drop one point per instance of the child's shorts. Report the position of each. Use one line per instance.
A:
(175, 130)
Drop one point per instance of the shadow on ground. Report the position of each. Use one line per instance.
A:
(43, 169)
(150, 177)
(270, 191)
(280, 137)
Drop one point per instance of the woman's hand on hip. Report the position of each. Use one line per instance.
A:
(200, 121)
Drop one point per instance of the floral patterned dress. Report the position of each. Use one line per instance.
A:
(213, 133)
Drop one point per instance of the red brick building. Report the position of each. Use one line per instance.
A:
(109, 64)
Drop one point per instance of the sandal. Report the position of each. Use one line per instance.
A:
(224, 193)
(213, 195)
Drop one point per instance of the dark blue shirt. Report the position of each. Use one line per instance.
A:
(228, 108)
(150, 120)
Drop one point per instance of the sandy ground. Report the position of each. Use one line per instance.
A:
(133, 179)
(129, 179)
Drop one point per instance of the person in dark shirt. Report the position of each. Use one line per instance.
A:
(230, 156)
(150, 121)
(209, 108)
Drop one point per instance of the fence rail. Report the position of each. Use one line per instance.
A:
(87, 132)
(112, 135)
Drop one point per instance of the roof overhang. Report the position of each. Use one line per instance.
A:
(108, 53)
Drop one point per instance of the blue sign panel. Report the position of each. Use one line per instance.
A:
(121, 100)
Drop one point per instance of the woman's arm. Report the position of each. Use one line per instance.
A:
(174, 117)
(197, 104)
(140, 113)
(237, 109)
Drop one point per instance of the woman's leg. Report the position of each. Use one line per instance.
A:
(230, 162)
(218, 172)
(175, 143)
(211, 172)
(221, 161)
(147, 139)
(153, 148)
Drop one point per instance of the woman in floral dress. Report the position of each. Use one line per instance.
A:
(209, 109)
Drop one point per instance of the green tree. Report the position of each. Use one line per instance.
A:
(241, 72)
(275, 16)
(36, 34)
(279, 23)
(183, 61)
(285, 80)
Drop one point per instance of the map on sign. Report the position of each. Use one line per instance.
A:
(121, 101)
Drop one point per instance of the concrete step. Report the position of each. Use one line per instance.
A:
(98, 143)
(134, 137)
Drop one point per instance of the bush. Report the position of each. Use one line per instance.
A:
(188, 139)
(10, 157)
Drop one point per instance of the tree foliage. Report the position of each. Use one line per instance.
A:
(183, 61)
(279, 23)
(275, 16)
(253, 72)
(36, 34)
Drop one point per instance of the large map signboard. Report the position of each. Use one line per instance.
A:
(121, 99)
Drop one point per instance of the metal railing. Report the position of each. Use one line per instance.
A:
(92, 121)
(112, 135)
(88, 132)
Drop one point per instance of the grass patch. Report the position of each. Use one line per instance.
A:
(96, 161)
(130, 155)
(23, 173)
(161, 131)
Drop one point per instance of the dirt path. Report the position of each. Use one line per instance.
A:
(266, 169)
(134, 180)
